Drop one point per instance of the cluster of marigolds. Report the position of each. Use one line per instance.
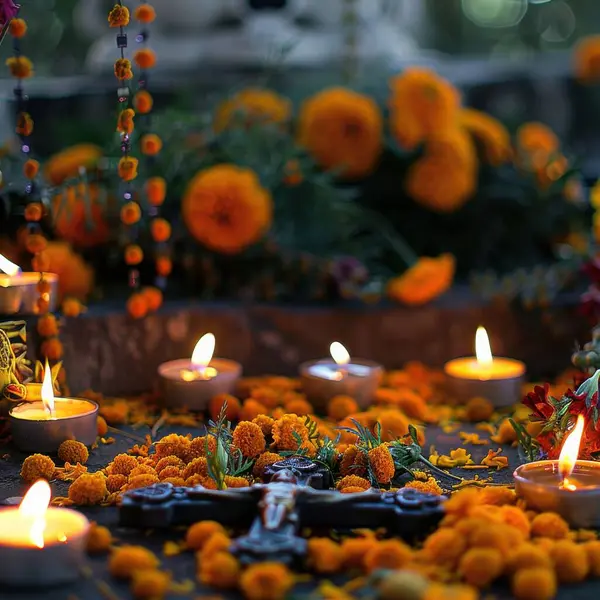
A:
(487, 534)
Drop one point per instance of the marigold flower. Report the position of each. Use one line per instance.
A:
(75, 277)
(354, 551)
(490, 133)
(18, 28)
(145, 58)
(150, 584)
(354, 462)
(199, 533)
(550, 525)
(263, 461)
(143, 102)
(534, 583)
(118, 16)
(115, 481)
(506, 433)
(571, 562)
(198, 466)
(382, 464)
(36, 243)
(73, 452)
(266, 581)
(216, 405)
(445, 547)
(125, 561)
(265, 423)
(300, 407)
(236, 482)
(130, 213)
(226, 208)
(151, 144)
(88, 489)
(492, 459)
(218, 542)
(252, 106)
(431, 486)
(134, 255)
(269, 396)
(389, 554)
(251, 409)
(173, 444)
(324, 555)
(153, 297)
(438, 591)
(499, 496)
(353, 481)
(221, 571)
(287, 432)
(495, 535)
(144, 13)
(480, 566)
(24, 124)
(592, 550)
(249, 438)
(52, 349)
(526, 556)
(169, 461)
(343, 130)
(478, 409)
(200, 445)
(67, 163)
(142, 469)
(137, 307)
(339, 407)
(37, 466)
(586, 59)
(123, 69)
(20, 67)
(102, 426)
(164, 266)
(34, 210)
(125, 122)
(47, 325)
(123, 464)
(30, 169)
(536, 143)
(160, 230)
(424, 281)
(141, 481)
(128, 168)
(99, 539)
(169, 472)
(71, 307)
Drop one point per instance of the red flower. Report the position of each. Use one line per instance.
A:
(538, 402)
(581, 404)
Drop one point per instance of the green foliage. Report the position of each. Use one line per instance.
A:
(528, 445)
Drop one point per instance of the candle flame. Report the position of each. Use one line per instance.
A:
(483, 351)
(203, 352)
(339, 353)
(8, 267)
(33, 508)
(48, 391)
(570, 452)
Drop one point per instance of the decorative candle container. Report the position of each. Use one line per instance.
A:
(19, 293)
(539, 484)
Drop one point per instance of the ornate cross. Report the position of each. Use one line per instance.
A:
(285, 504)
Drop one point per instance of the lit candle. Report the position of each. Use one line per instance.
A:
(18, 290)
(41, 546)
(191, 383)
(42, 426)
(340, 375)
(497, 379)
(568, 486)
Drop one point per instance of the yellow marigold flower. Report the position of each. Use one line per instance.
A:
(263, 461)
(354, 551)
(73, 452)
(251, 107)
(461, 502)
(339, 407)
(534, 583)
(123, 464)
(31, 168)
(141, 481)
(439, 591)
(143, 102)
(286, 431)
(506, 433)
(236, 482)
(125, 121)
(394, 424)
(37, 466)
(249, 438)
(353, 481)
(18, 28)
(389, 554)
(490, 133)
(173, 444)
(199, 533)
(494, 460)
(198, 466)
(127, 168)
(226, 208)
(127, 560)
(24, 124)
(47, 325)
(150, 584)
(498, 536)
(586, 59)
(479, 409)
(460, 457)
(66, 164)
(480, 566)
(99, 539)
(145, 58)
(169, 461)
(592, 550)
(352, 489)
(550, 525)
(200, 445)
(536, 143)
(265, 423)
(354, 462)
(431, 486)
(144, 13)
(169, 472)
(115, 482)
(266, 581)
(217, 402)
(88, 489)
(382, 464)
(526, 556)
(218, 542)
(221, 571)
(123, 69)
(251, 409)
(343, 130)
(445, 547)
(20, 67)
(72, 308)
(324, 555)
(571, 561)
(421, 105)
(118, 16)
(424, 281)
(515, 517)
(142, 469)
(299, 406)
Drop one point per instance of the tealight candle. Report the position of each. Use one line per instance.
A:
(41, 546)
(18, 290)
(484, 375)
(43, 426)
(567, 486)
(323, 379)
(192, 383)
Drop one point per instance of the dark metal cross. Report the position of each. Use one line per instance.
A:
(285, 504)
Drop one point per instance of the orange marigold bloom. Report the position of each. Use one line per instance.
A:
(438, 591)
(593, 553)
(123, 464)
(31, 168)
(20, 67)
(353, 481)
(71, 307)
(199, 533)
(352, 489)
(67, 163)
(300, 407)
(249, 438)
(198, 466)
(536, 143)
(134, 255)
(252, 106)
(266, 581)
(516, 517)
(343, 130)
(268, 396)
(339, 407)
(263, 461)
(324, 555)
(75, 277)
(118, 16)
(421, 105)
(389, 554)
(479, 409)
(99, 539)
(218, 542)
(101, 425)
(173, 444)
(123, 69)
(141, 481)
(506, 433)
(150, 584)
(527, 555)
(88, 489)
(24, 124)
(251, 409)
(287, 432)
(490, 133)
(36, 243)
(137, 307)
(18, 28)
(143, 102)
(125, 122)
(499, 496)
(128, 168)
(431, 486)
(265, 423)
(586, 59)
(480, 566)
(169, 472)
(144, 13)
(354, 462)
(33, 212)
(127, 560)
(156, 190)
(226, 208)
(164, 266)
(394, 424)
(142, 469)
(382, 464)
(151, 144)
(570, 561)
(37, 466)
(445, 547)
(236, 482)
(73, 452)
(47, 325)
(160, 230)
(52, 349)
(169, 461)
(549, 525)
(221, 571)
(199, 446)
(354, 551)
(131, 213)
(424, 281)
(115, 482)
(153, 297)
(534, 583)
(145, 58)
